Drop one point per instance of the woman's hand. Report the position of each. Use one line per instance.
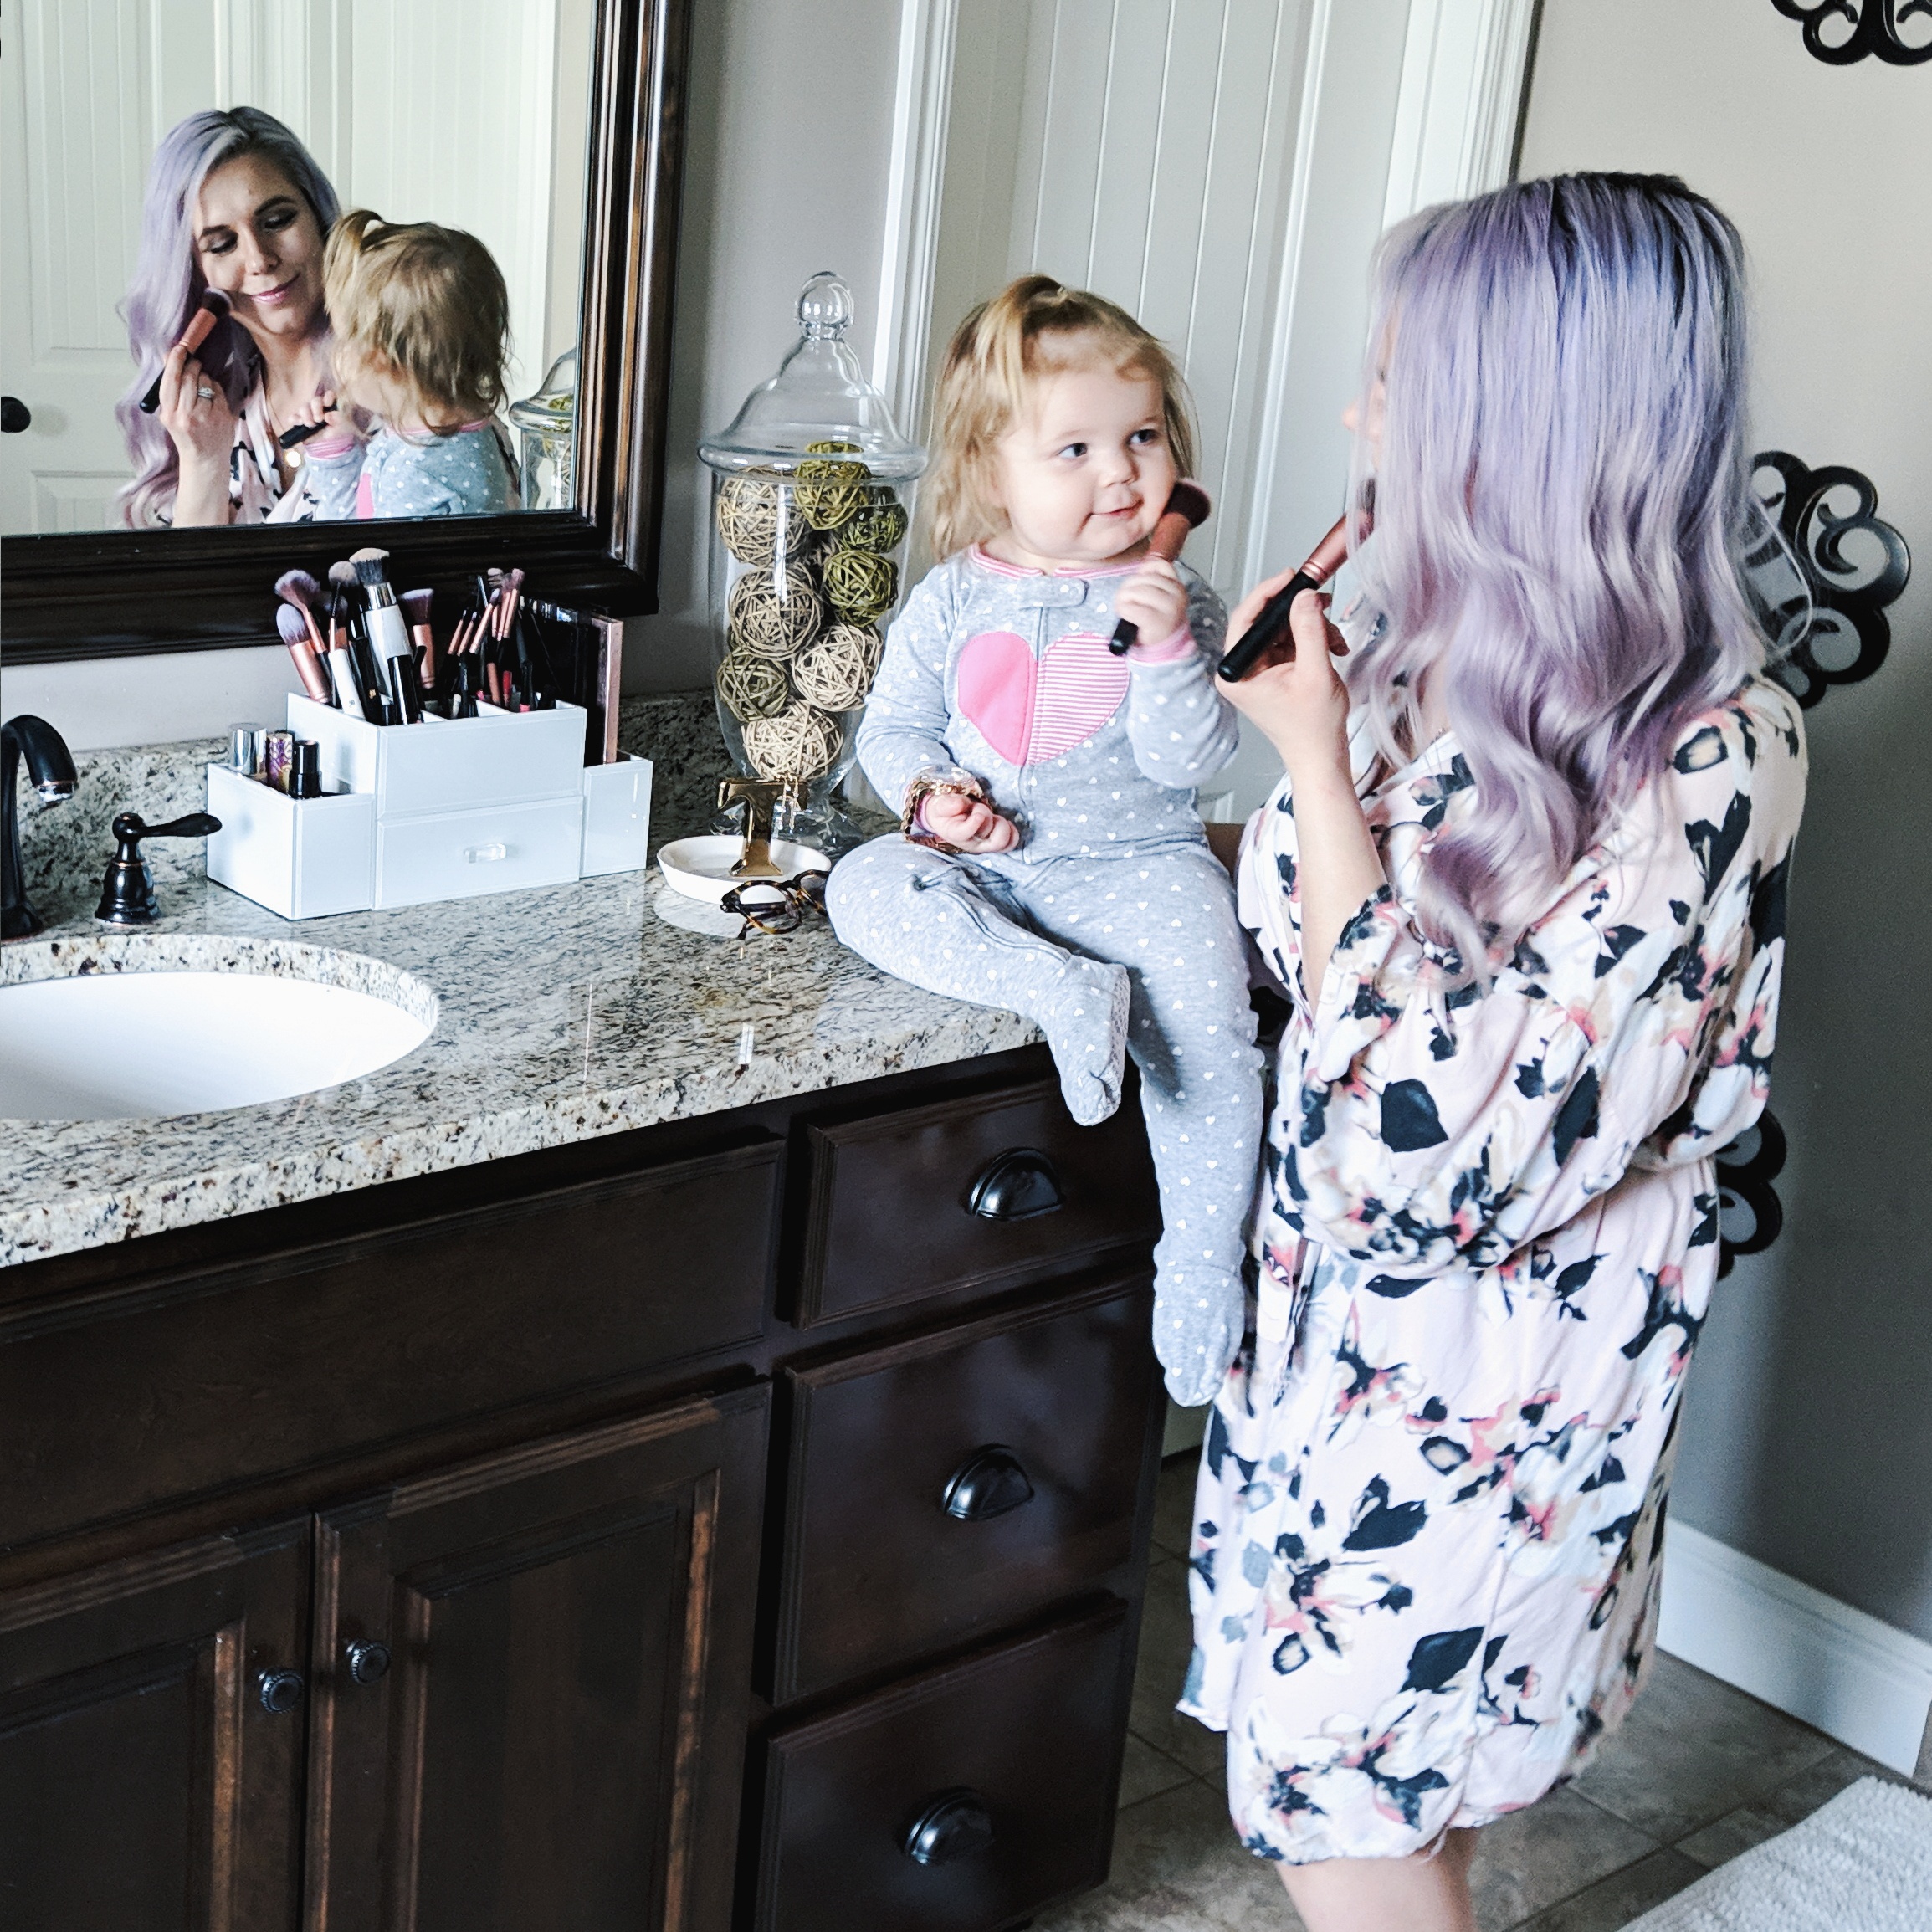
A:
(967, 824)
(195, 414)
(1155, 600)
(1296, 698)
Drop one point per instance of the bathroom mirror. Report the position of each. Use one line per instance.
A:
(547, 130)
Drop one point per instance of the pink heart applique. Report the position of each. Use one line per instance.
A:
(1029, 713)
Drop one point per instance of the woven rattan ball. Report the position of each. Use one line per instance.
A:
(772, 620)
(878, 523)
(752, 687)
(749, 510)
(835, 672)
(799, 743)
(829, 492)
(860, 584)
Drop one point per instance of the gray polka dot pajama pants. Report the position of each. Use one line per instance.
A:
(1108, 956)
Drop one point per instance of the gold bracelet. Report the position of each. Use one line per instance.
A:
(924, 784)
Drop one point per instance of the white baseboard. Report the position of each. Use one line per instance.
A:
(1803, 1652)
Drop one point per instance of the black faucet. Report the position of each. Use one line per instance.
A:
(50, 766)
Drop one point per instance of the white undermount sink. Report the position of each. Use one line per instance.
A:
(124, 1045)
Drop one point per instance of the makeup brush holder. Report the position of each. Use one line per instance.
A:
(450, 808)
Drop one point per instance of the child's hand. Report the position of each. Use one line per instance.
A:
(967, 824)
(316, 409)
(1155, 599)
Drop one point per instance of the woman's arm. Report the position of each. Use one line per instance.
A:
(1302, 706)
(203, 430)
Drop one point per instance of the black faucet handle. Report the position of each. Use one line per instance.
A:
(127, 895)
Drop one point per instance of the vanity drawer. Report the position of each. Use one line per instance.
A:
(1024, 1741)
(458, 854)
(171, 1386)
(977, 1189)
(1057, 1401)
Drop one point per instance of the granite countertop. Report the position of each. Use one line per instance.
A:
(562, 1012)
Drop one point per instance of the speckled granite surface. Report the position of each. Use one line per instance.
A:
(563, 1013)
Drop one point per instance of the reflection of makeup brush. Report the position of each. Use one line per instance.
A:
(301, 432)
(1187, 507)
(308, 665)
(213, 307)
(416, 614)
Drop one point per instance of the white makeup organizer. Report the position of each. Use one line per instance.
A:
(449, 808)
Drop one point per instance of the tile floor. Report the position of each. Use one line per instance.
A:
(1700, 1773)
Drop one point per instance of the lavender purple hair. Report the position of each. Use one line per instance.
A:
(1562, 502)
(168, 283)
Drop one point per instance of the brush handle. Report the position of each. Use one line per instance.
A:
(1170, 534)
(1268, 629)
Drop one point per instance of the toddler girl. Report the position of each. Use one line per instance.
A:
(1052, 862)
(421, 322)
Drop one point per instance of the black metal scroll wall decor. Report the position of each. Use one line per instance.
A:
(1825, 580)
(1874, 29)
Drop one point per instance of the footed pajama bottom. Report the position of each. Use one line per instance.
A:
(1108, 956)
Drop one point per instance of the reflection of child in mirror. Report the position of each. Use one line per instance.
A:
(421, 325)
(1052, 863)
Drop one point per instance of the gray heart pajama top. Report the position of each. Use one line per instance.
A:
(1110, 919)
(1430, 1513)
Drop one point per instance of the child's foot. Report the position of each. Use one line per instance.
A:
(1086, 1025)
(1199, 1313)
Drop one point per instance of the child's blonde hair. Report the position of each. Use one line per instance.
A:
(423, 306)
(1029, 328)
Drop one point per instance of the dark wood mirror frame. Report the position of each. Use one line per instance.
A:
(108, 594)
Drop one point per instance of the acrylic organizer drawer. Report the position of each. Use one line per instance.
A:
(444, 765)
(458, 854)
(965, 1799)
(302, 857)
(617, 816)
(976, 1191)
(945, 1485)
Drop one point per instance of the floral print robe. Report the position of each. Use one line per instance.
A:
(1430, 1511)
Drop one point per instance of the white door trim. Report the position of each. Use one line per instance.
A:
(921, 105)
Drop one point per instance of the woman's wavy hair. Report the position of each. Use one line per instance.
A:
(168, 283)
(1562, 505)
(1031, 326)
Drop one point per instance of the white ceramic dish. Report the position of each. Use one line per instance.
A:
(701, 868)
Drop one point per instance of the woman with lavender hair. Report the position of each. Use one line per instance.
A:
(235, 202)
(1524, 886)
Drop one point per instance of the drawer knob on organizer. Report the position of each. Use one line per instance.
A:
(281, 1691)
(952, 1826)
(1020, 1184)
(366, 1662)
(989, 1483)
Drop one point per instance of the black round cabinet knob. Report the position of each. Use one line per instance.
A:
(952, 1826)
(366, 1662)
(14, 416)
(281, 1690)
(989, 1483)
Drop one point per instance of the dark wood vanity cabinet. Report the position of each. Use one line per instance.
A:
(739, 1523)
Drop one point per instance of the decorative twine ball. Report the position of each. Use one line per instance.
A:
(748, 517)
(799, 743)
(829, 493)
(860, 584)
(774, 620)
(879, 523)
(836, 673)
(752, 687)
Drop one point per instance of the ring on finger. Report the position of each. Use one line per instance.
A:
(207, 394)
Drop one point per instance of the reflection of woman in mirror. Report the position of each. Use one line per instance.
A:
(235, 202)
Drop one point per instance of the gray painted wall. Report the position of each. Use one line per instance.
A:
(1808, 1438)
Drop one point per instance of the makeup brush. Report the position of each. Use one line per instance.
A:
(213, 307)
(308, 666)
(416, 614)
(1269, 630)
(389, 635)
(1187, 509)
(365, 677)
(298, 433)
(300, 592)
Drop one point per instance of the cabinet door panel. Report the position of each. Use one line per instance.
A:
(901, 1207)
(1028, 1737)
(554, 1734)
(1055, 1403)
(144, 1786)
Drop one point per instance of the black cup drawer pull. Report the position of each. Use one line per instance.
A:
(954, 1825)
(281, 1691)
(366, 1662)
(1017, 1185)
(989, 1483)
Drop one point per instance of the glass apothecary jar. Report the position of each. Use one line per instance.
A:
(812, 501)
(547, 429)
